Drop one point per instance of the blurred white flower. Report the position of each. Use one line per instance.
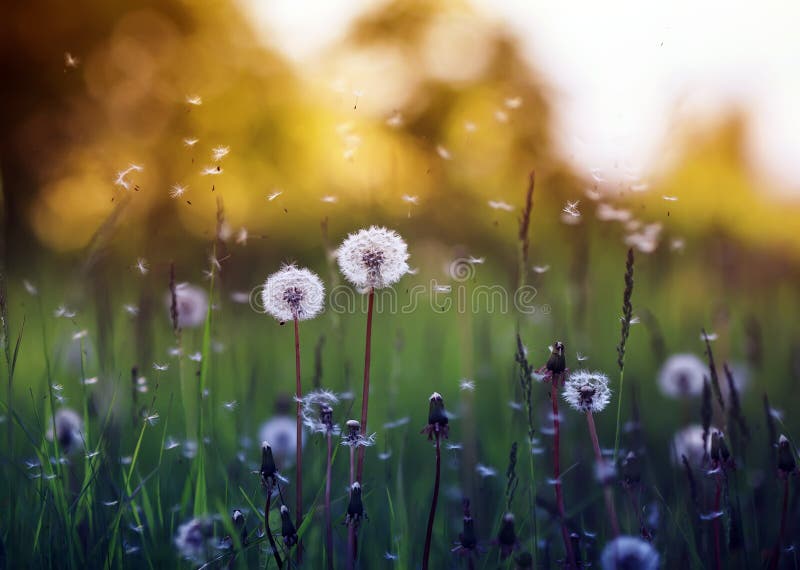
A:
(281, 434)
(373, 258)
(67, 429)
(191, 303)
(587, 391)
(194, 540)
(293, 293)
(629, 552)
(689, 442)
(682, 375)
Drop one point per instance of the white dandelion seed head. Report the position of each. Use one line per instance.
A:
(293, 292)
(587, 391)
(194, 540)
(373, 258)
(191, 304)
(281, 433)
(682, 376)
(67, 429)
(689, 442)
(629, 552)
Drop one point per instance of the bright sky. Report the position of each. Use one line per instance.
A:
(624, 73)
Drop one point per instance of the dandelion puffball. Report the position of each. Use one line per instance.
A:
(682, 375)
(281, 434)
(629, 552)
(293, 293)
(68, 428)
(191, 303)
(373, 258)
(587, 391)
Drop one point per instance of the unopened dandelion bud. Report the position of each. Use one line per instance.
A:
(437, 417)
(239, 525)
(720, 454)
(288, 530)
(557, 363)
(507, 537)
(355, 508)
(268, 467)
(787, 464)
(353, 429)
(631, 470)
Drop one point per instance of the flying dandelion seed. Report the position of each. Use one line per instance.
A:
(211, 171)
(80, 334)
(122, 174)
(470, 127)
(709, 336)
(329, 199)
(442, 288)
(171, 443)
(443, 153)
(513, 102)
(190, 142)
(485, 471)
(500, 205)
(160, 367)
(271, 197)
(500, 116)
(593, 194)
(196, 357)
(131, 310)
(395, 120)
(195, 100)
(62, 312)
(230, 406)
(30, 287)
(467, 385)
(580, 357)
(70, 60)
(571, 209)
(220, 152)
(241, 236)
(152, 419)
(669, 198)
(640, 187)
(476, 260)
(177, 191)
(677, 244)
(409, 199)
(608, 213)
(141, 266)
(595, 173)
(541, 269)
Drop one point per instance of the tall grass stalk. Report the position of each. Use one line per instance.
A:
(627, 315)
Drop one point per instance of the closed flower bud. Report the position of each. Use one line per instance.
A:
(288, 530)
(557, 363)
(240, 526)
(720, 454)
(437, 417)
(787, 464)
(355, 508)
(268, 467)
(507, 537)
(631, 470)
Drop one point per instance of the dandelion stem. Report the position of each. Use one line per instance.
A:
(607, 491)
(776, 552)
(434, 500)
(328, 524)
(557, 471)
(365, 390)
(299, 451)
(351, 531)
(717, 543)
(268, 530)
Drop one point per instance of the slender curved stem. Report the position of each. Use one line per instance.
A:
(365, 388)
(557, 472)
(268, 530)
(351, 531)
(607, 491)
(434, 500)
(299, 452)
(717, 542)
(328, 524)
(776, 552)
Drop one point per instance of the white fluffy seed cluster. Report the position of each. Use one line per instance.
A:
(587, 391)
(191, 303)
(373, 258)
(682, 376)
(293, 292)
